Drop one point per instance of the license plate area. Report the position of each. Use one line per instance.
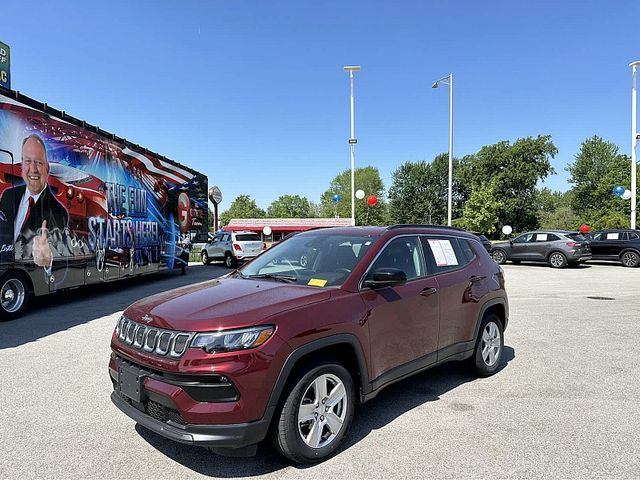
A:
(130, 381)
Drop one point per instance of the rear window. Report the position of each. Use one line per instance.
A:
(576, 237)
(248, 237)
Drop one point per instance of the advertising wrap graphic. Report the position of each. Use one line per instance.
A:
(83, 207)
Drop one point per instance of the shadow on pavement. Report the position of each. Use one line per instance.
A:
(391, 403)
(60, 311)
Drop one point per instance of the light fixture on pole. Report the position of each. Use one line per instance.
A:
(352, 143)
(634, 142)
(448, 80)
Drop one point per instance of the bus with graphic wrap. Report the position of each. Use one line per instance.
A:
(81, 206)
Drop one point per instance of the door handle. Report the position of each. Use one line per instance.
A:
(428, 291)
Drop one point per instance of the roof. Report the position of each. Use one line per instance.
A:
(285, 224)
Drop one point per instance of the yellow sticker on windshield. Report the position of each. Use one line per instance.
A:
(317, 282)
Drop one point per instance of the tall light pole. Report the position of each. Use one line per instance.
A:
(352, 144)
(448, 80)
(634, 142)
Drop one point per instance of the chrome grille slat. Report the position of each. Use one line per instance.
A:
(154, 340)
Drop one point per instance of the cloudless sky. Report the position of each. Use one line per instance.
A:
(253, 94)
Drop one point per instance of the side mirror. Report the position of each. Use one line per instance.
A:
(385, 277)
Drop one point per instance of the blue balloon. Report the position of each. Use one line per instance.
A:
(336, 198)
(618, 190)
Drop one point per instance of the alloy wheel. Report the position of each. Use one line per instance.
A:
(499, 257)
(491, 344)
(630, 259)
(322, 411)
(557, 260)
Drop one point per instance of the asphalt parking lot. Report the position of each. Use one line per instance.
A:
(564, 405)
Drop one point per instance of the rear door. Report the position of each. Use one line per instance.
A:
(460, 288)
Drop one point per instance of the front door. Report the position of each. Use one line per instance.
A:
(404, 319)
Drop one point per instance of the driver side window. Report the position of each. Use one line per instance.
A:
(526, 238)
(404, 254)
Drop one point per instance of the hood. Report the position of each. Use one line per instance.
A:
(222, 303)
(500, 244)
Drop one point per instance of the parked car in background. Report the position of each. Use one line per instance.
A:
(486, 243)
(286, 351)
(232, 248)
(618, 245)
(558, 248)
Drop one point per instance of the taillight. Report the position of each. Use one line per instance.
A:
(571, 244)
(237, 247)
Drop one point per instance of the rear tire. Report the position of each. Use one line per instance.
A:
(229, 261)
(630, 258)
(557, 260)
(14, 296)
(316, 414)
(487, 355)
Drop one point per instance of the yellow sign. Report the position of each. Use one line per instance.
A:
(317, 282)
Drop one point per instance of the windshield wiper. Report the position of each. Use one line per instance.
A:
(275, 276)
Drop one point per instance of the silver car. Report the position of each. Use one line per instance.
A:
(558, 248)
(232, 248)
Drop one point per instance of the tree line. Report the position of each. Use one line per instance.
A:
(499, 185)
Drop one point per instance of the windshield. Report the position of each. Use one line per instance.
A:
(317, 260)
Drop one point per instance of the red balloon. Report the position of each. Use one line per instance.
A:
(584, 228)
(372, 200)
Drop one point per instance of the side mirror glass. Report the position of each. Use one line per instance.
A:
(385, 277)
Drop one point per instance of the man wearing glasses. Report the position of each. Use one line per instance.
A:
(39, 221)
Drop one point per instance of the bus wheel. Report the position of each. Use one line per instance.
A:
(14, 296)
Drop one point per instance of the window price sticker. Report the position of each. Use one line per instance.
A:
(443, 253)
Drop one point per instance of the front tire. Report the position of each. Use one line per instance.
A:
(557, 260)
(499, 256)
(316, 414)
(487, 355)
(204, 256)
(14, 296)
(630, 258)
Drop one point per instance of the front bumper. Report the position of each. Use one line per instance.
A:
(227, 436)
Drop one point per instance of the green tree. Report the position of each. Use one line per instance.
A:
(366, 179)
(562, 217)
(481, 211)
(419, 190)
(290, 206)
(514, 169)
(242, 207)
(597, 169)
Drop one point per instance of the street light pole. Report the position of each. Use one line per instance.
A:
(448, 80)
(352, 143)
(634, 142)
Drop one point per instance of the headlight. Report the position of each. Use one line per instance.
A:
(230, 340)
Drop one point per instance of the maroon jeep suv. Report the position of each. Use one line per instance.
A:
(286, 346)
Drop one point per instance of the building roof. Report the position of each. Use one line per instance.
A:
(285, 224)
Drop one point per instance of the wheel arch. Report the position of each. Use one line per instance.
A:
(343, 348)
(496, 306)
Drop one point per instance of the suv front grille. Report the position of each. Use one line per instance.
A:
(151, 339)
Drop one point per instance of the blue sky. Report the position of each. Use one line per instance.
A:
(252, 93)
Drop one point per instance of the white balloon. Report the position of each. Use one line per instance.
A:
(359, 194)
(266, 230)
(507, 229)
(626, 195)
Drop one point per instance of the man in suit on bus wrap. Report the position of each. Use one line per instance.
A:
(39, 222)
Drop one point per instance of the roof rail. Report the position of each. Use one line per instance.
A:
(424, 225)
